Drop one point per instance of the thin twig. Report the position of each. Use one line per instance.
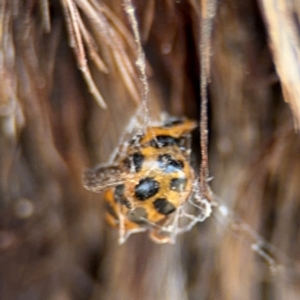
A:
(92, 48)
(141, 61)
(76, 42)
(207, 15)
(116, 23)
(113, 39)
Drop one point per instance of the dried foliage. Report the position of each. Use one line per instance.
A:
(69, 87)
(282, 22)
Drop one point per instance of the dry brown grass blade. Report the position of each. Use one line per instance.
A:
(148, 19)
(116, 23)
(105, 29)
(140, 60)
(45, 12)
(125, 68)
(72, 16)
(92, 47)
(284, 39)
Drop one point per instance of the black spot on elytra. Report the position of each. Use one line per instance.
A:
(137, 215)
(168, 164)
(172, 122)
(134, 162)
(146, 188)
(178, 184)
(163, 141)
(120, 197)
(164, 206)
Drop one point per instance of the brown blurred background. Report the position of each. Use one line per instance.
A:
(54, 243)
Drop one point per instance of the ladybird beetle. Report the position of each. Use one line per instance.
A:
(147, 184)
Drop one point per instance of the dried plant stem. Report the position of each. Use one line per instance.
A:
(116, 22)
(72, 21)
(45, 12)
(141, 61)
(114, 40)
(207, 14)
(285, 45)
(92, 47)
